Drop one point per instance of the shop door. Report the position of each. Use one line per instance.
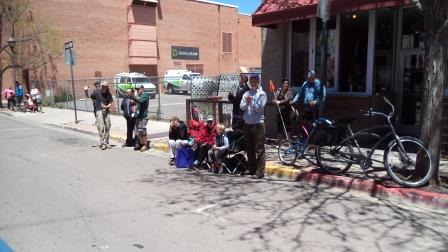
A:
(410, 91)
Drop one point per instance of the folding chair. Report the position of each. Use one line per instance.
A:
(236, 156)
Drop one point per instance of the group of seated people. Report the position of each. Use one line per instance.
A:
(207, 138)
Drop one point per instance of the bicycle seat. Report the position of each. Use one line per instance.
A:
(347, 120)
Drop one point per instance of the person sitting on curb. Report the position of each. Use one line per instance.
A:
(103, 102)
(142, 101)
(219, 149)
(178, 137)
(205, 141)
(129, 107)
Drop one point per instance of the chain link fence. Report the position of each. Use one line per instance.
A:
(59, 93)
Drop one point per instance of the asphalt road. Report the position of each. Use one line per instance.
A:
(59, 192)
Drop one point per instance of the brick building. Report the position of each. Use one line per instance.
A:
(375, 47)
(113, 36)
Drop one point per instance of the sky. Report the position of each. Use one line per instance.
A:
(244, 6)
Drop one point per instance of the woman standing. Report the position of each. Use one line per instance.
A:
(284, 97)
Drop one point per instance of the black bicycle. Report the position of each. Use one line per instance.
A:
(406, 159)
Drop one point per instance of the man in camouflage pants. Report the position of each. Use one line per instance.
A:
(103, 102)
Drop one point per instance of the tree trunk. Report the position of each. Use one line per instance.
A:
(435, 14)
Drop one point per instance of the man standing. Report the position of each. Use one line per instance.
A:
(103, 102)
(142, 100)
(310, 94)
(19, 93)
(253, 103)
(235, 99)
(128, 107)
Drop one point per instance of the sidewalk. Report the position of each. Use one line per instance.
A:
(376, 184)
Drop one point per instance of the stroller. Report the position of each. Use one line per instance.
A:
(236, 157)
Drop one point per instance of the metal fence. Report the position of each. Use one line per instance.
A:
(59, 93)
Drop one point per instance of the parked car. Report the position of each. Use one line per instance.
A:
(179, 80)
(124, 81)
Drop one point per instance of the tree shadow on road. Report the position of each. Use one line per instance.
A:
(285, 216)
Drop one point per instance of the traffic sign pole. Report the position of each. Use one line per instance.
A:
(68, 46)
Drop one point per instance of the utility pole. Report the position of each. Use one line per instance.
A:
(323, 11)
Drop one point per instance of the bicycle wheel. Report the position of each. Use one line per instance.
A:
(410, 167)
(288, 151)
(334, 159)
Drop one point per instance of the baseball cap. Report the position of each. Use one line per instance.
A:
(209, 118)
(254, 77)
(104, 83)
(141, 87)
(311, 73)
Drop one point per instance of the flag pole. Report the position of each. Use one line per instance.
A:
(272, 89)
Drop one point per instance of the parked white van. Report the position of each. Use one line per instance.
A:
(124, 81)
(179, 80)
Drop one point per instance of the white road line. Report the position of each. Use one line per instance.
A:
(168, 104)
(18, 129)
(202, 210)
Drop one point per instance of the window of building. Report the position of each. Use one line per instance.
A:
(226, 42)
(353, 44)
(384, 52)
(196, 68)
(413, 31)
(299, 51)
(331, 54)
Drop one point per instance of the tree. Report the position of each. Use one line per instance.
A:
(435, 14)
(36, 44)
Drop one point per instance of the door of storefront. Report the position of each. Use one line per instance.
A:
(410, 86)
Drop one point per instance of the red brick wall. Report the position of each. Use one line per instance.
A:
(98, 29)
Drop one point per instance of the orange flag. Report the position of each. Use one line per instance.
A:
(271, 86)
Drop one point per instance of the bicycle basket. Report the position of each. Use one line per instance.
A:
(326, 133)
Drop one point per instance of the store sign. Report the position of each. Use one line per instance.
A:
(185, 53)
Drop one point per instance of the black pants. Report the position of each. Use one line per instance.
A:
(202, 151)
(255, 138)
(130, 125)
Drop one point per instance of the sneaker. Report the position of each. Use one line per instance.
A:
(137, 147)
(108, 146)
(172, 161)
(144, 148)
(103, 147)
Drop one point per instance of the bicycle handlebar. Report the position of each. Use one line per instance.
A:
(371, 112)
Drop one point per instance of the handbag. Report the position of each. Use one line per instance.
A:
(184, 157)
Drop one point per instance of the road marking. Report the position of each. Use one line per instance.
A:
(18, 129)
(168, 104)
(4, 247)
(202, 210)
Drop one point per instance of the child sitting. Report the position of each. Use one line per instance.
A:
(219, 150)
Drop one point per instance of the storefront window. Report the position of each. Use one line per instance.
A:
(384, 37)
(413, 33)
(299, 51)
(331, 59)
(353, 59)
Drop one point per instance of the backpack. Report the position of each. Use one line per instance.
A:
(184, 157)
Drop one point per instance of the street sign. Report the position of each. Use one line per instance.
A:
(70, 57)
(68, 45)
(323, 10)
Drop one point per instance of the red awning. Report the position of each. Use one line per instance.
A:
(278, 11)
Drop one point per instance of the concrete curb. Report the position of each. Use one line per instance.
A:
(375, 189)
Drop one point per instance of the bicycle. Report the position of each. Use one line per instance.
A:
(289, 150)
(406, 159)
